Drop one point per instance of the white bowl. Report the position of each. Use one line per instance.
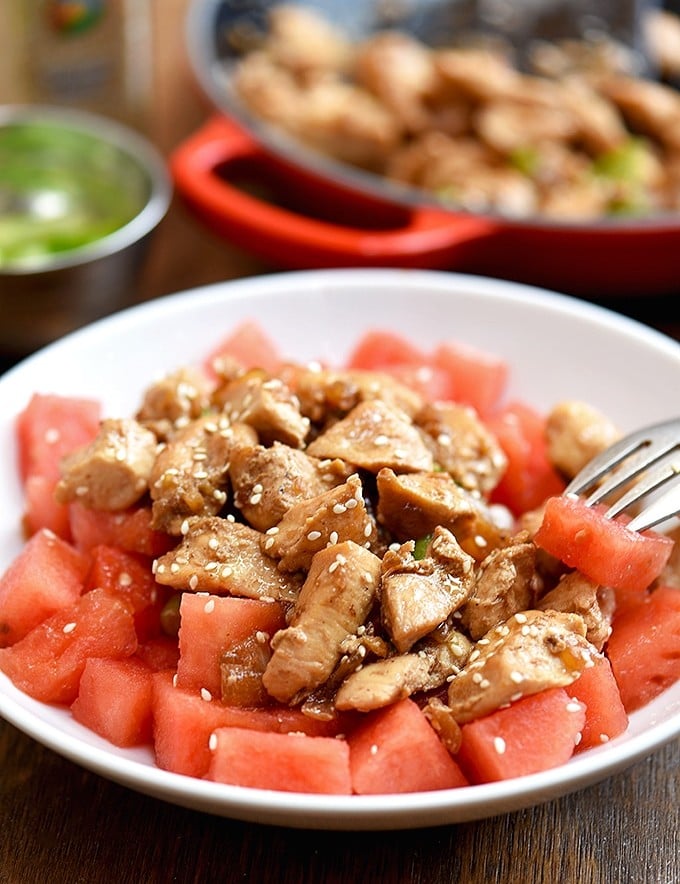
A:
(557, 346)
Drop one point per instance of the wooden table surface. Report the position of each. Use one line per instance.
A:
(63, 825)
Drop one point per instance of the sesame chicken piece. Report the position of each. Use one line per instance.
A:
(441, 718)
(190, 475)
(266, 404)
(412, 505)
(372, 436)
(173, 401)
(335, 600)
(302, 41)
(335, 516)
(479, 74)
(576, 594)
(383, 682)
(650, 108)
(462, 445)
(223, 557)
(327, 395)
(399, 70)
(575, 433)
(447, 649)
(267, 482)
(416, 596)
(112, 472)
(506, 583)
(526, 654)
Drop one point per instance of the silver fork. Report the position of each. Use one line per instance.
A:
(651, 457)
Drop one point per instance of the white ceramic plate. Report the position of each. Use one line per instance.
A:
(558, 347)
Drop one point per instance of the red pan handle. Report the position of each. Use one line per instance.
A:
(419, 237)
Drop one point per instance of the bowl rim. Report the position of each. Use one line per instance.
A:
(130, 142)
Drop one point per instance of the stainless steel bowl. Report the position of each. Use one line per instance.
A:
(46, 294)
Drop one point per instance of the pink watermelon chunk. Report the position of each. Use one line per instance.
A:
(285, 762)
(46, 576)
(396, 750)
(536, 733)
(210, 625)
(606, 716)
(48, 662)
(114, 700)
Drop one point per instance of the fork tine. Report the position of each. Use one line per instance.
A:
(664, 507)
(615, 455)
(651, 482)
(628, 468)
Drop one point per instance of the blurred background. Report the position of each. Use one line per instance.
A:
(129, 60)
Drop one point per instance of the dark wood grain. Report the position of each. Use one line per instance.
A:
(60, 824)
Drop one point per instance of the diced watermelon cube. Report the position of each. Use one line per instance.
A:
(114, 700)
(644, 647)
(606, 716)
(380, 350)
(184, 720)
(130, 530)
(603, 549)
(529, 477)
(477, 378)
(249, 345)
(46, 576)
(41, 509)
(395, 749)
(211, 624)
(536, 733)
(129, 575)
(284, 762)
(159, 653)
(51, 426)
(48, 662)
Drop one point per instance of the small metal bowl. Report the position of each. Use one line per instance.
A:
(49, 290)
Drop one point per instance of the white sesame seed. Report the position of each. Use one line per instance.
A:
(124, 579)
(381, 440)
(573, 706)
(255, 499)
(577, 738)
(185, 527)
(516, 677)
(333, 538)
(351, 503)
(368, 529)
(604, 738)
(209, 606)
(174, 568)
(374, 749)
(521, 618)
(269, 543)
(174, 680)
(206, 695)
(68, 628)
(339, 509)
(52, 435)
(273, 531)
(226, 572)
(258, 488)
(499, 745)
(444, 439)
(193, 581)
(313, 535)
(213, 543)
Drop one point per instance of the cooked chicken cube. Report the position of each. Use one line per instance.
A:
(334, 601)
(575, 433)
(223, 557)
(528, 653)
(378, 684)
(462, 445)
(329, 518)
(267, 482)
(506, 583)
(447, 649)
(441, 718)
(267, 405)
(326, 395)
(373, 436)
(412, 505)
(577, 594)
(400, 71)
(303, 42)
(112, 472)
(173, 401)
(416, 596)
(190, 475)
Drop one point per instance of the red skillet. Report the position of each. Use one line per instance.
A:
(296, 209)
